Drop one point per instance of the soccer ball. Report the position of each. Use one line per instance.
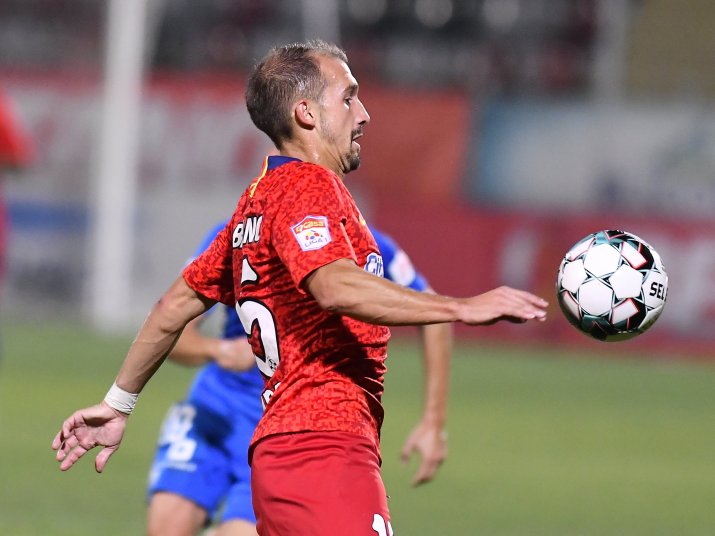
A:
(612, 285)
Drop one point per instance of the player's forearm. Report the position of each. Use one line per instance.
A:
(437, 348)
(345, 289)
(162, 327)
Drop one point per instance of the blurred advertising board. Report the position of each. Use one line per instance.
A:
(198, 151)
(464, 251)
(650, 157)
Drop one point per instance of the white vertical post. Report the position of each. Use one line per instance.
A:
(609, 65)
(116, 178)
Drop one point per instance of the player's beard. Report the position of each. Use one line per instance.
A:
(353, 156)
(349, 159)
(353, 160)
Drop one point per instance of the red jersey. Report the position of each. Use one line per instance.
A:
(324, 371)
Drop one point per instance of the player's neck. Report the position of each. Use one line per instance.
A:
(313, 153)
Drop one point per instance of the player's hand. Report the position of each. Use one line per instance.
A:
(431, 443)
(234, 354)
(503, 303)
(96, 426)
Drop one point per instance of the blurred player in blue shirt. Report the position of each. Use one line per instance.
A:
(201, 465)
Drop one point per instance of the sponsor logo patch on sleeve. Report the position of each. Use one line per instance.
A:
(374, 265)
(312, 233)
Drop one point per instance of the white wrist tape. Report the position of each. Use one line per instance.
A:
(120, 399)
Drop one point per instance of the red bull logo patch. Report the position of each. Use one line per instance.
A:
(312, 232)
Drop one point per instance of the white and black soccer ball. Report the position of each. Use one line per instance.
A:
(612, 285)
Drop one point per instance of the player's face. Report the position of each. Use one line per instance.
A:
(343, 116)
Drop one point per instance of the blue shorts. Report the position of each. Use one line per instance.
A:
(202, 456)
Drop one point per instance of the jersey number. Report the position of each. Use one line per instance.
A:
(258, 322)
(380, 526)
(174, 433)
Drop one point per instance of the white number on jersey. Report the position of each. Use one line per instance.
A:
(252, 311)
(381, 527)
(176, 426)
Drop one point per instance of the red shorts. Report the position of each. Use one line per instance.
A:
(318, 484)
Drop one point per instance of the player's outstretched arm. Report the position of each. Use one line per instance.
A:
(103, 425)
(195, 349)
(344, 288)
(429, 436)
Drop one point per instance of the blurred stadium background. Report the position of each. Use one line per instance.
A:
(502, 132)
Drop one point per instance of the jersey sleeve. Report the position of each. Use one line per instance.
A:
(309, 229)
(211, 273)
(398, 266)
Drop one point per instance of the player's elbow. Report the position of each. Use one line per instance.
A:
(177, 307)
(334, 297)
(332, 290)
(167, 314)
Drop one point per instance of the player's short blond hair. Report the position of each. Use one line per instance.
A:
(286, 74)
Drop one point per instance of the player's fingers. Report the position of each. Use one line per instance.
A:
(407, 450)
(521, 315)
(65, 431)
(525, 298)
(533, 299)
(102, 458)
(70, 425)
(524, 315)
(57, 441)
(66, 446)
(525, 294)
(74, 455)
(527, 310)
(530, 301)
(426, 472)
(61, 453)
(519, 305)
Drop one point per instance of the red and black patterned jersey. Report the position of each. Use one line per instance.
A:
(323, 371)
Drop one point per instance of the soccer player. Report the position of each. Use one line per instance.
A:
(300, 264)
(201, 463)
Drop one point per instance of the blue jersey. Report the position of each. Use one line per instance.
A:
(398, 266)
(202, 453)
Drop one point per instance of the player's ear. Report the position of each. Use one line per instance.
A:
(305, 113)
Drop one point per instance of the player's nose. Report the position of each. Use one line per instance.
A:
(363, 117)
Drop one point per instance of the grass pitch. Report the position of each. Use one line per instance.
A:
(541, 442)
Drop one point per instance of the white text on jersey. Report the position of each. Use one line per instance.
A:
(247, 231)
